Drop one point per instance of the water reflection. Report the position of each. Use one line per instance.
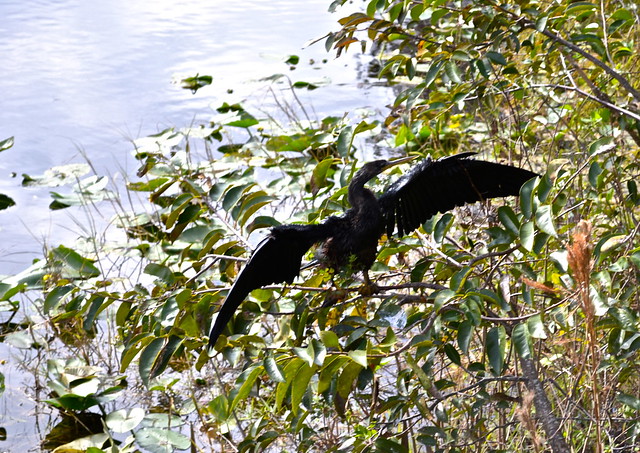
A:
(83, 77)
(91, 75)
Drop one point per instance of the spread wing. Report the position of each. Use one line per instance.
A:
(440, 185)
(277, 259)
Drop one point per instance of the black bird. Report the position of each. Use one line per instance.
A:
(432, 186)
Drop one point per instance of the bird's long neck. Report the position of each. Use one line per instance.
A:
(359, 196)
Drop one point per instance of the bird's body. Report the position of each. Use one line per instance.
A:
(430, 187)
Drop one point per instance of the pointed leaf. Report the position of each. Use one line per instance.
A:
(246, 386)
(496, 345)
(74, 260)
(522, 340)
(527, 235)
(300, 385)
(544, 220)
(536, 327)
(271, 366)
(6, 144)
(359, 357)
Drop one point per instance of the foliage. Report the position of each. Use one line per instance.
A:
(496, 328)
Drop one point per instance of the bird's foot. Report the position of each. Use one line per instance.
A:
(369, 289)
(333, 297)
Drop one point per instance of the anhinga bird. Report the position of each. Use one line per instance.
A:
(432, 186)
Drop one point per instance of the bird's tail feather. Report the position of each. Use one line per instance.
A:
(277, 259)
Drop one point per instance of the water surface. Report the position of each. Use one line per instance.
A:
(83, 77)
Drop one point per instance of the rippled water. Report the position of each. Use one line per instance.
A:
(90, 76)
(78, 75)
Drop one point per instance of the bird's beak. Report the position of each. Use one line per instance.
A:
(402, 160)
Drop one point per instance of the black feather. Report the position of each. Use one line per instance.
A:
(443, 184)
(277, 259)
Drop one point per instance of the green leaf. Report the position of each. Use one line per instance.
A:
(290, 371)
(89, 190)
(536, 327)
(219, 407)
(319, 352)
(347, 378)
(181, 202)
(273, 370)
(21, 339)
(246, 386)
(527, 235)
(509, 219)
(320, 172)
(526, 197)
(443, 297)
(57, 176)
(577, 8)
(461, 55)
(88, 444)
(170, 345)
(442, 226)
(236, 116)
(465, 333)
(330, 339)
(629, 400)
(302, 84)
(54, 297)
(452, 354)
(124, 420)
(484, 66)
(6, 201)
(496, 345)
(544, 220)
(73, 402)
(6, 144)
(196, 82)
(452, 71)
(389, 446)
(595, 170)
(157, 440)
(330, 369)
(305, 354)
(423, 378)
(300, 385)
(522, 340)
(162, 272)
(497, 58)
(148, 359)
(432, 72)
(541, 22)
(345, 139)
(75, 261)
(359, 357)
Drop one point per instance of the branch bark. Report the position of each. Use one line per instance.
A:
(550, 423)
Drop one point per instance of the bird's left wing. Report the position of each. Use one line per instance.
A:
(276, 259)
(440, 185)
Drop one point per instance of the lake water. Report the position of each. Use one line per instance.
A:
(87, 77)
(80, 77)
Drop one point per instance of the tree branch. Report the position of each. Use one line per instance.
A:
(544, 411)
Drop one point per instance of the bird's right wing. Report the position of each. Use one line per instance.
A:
(440, 185)
(276, 259)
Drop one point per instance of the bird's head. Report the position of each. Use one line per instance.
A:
(374, 168)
